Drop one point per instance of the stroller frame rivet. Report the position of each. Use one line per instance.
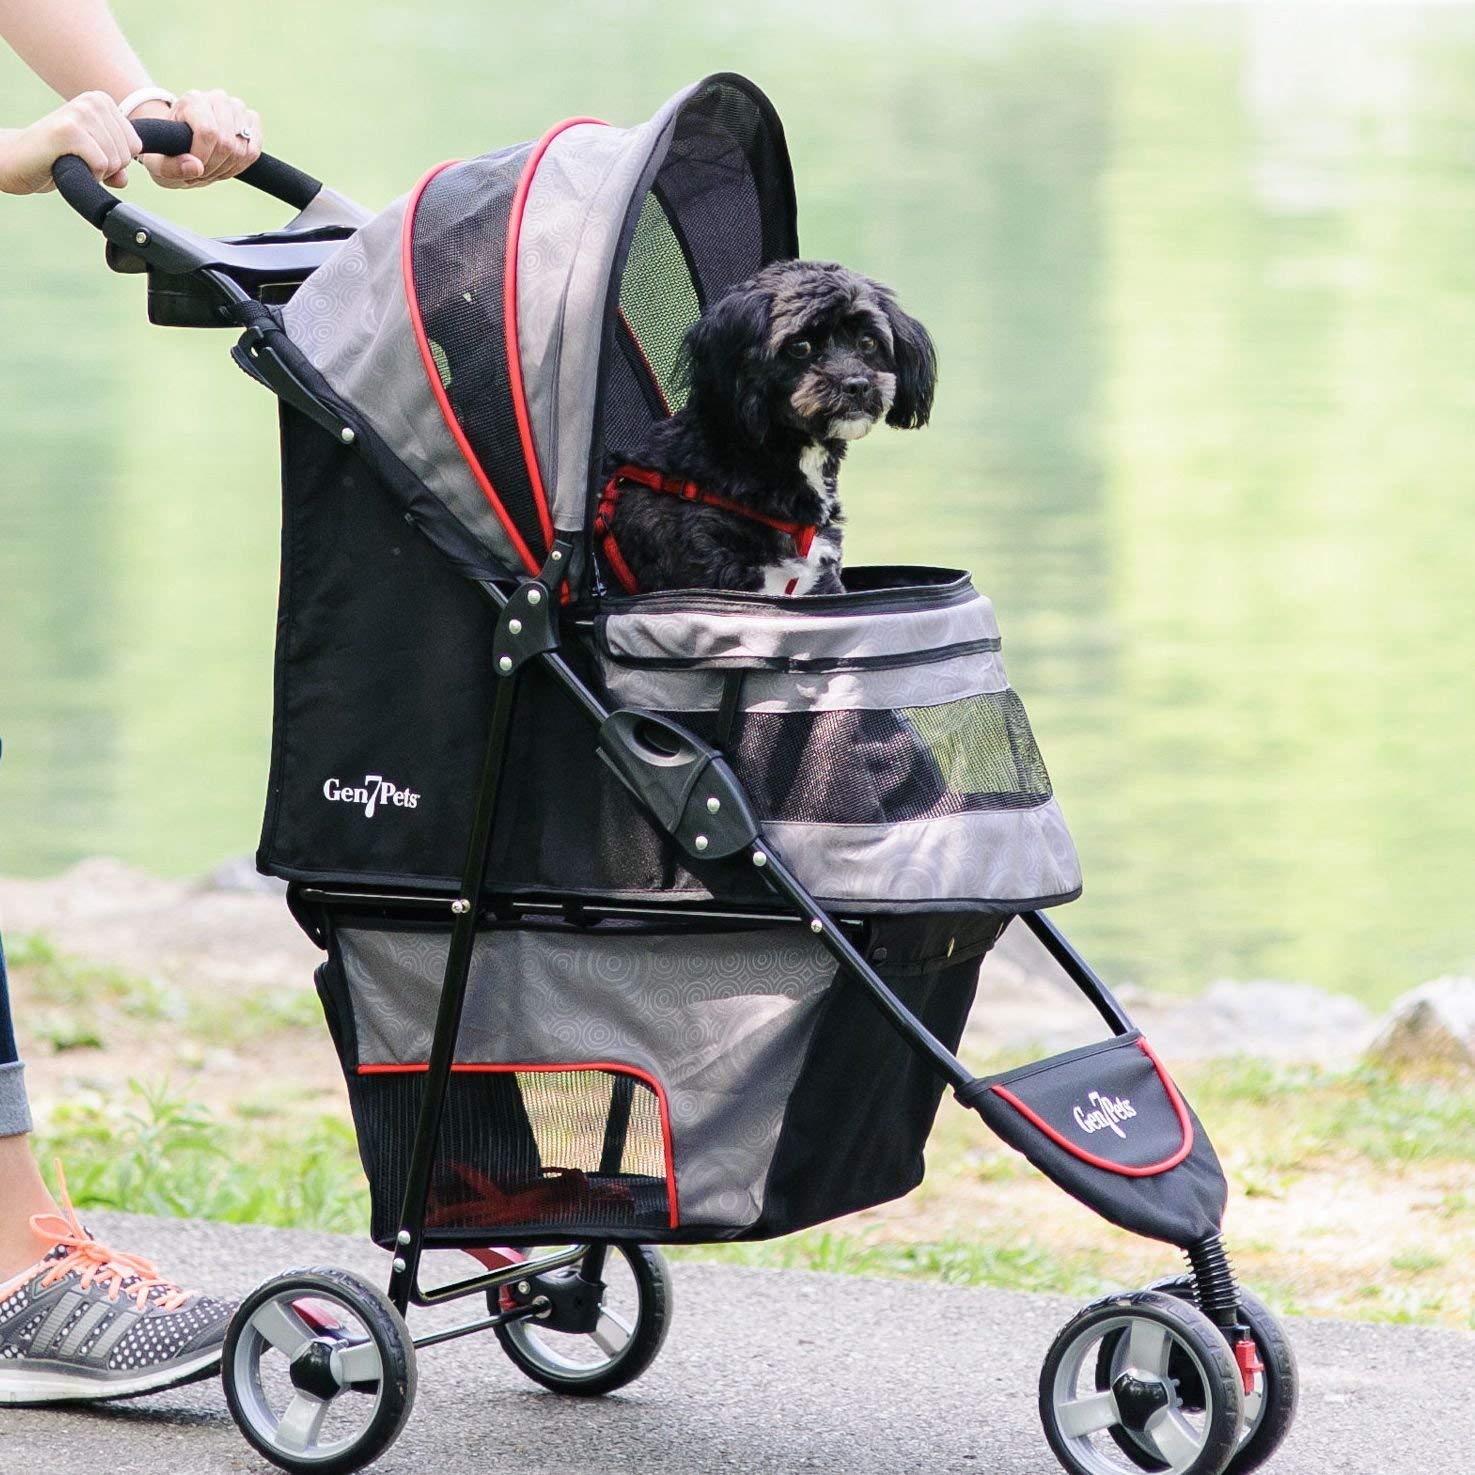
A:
(815, 925)
(397, 1265)
(403, 1237)
(504, 664)
(713, 804)
(701, 842)
(759, 859)
(460, 906)
(535, 596)
(346, 435)
(515, 626)
(140, 238)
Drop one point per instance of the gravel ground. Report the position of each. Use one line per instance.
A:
(765, 1372)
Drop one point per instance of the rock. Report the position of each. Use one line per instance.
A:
(1261, 1018)
(1430, 1028)
(240, 874)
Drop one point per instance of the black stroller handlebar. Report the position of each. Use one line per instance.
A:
(94, 202)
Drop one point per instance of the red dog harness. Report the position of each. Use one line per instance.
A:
(801, 532)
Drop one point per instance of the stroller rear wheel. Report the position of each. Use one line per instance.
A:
(600, 1322)
(1270, 1405)
(319, 1371)
(1157, 1344)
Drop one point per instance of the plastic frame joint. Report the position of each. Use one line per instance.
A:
(528, 626)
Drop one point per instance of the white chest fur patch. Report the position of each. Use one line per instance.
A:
(799, 575)
(814, 462)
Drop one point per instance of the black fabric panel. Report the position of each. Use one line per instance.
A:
(1107, 1100)
(864, 1105)
(382, 673)
(384, 668)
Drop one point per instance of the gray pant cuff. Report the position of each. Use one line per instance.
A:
(15, 1110)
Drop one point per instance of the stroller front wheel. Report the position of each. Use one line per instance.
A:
(600, 1322)
(319, 1371)
(1159, 1345)
(1270, 1407)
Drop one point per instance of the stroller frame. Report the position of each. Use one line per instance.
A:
(201, 283)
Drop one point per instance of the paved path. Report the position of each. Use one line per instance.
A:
(765, 1373)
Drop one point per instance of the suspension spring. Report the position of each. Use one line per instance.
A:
(1214, 1282)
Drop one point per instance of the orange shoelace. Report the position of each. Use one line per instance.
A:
(92, 1261)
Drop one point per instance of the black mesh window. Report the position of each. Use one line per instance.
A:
(519, 1151)
(881, 767)
(459, 262)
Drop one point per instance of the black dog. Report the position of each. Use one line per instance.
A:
(737, 489)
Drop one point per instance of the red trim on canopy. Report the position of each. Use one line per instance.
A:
(509, 319)
(612, 1067)
(432, 373)
(1150, 1170)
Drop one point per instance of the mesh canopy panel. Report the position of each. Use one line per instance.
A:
(459, 259)
(486, 328)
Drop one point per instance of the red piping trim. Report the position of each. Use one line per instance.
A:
(432, 373)
(509, 318)
(615, 1067)
(1152, 1169)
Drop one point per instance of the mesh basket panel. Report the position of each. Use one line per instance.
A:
(459, 258)
(881, 767)
(519, 1151)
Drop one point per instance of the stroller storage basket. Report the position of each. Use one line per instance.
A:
(875, 733)
(627, 1082)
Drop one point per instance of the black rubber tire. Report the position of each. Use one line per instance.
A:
(391, 1337)
(1282, 1378)
(653, 1282)
(1186, 1322)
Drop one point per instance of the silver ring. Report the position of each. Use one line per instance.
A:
(245, 133)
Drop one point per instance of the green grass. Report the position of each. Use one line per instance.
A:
(1021, 1265)
(152, 1152)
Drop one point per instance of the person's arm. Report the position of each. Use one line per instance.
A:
(76, 46)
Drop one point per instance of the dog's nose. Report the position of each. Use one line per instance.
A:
(857, 386)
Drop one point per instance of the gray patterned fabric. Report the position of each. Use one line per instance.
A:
(749, 633)
(672, 654)
(570, 230)
(351, 318)
(721, 1021)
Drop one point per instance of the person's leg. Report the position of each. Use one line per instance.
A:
(22, 1193)
(78, 1320)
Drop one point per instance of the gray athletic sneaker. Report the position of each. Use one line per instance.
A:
(86, 1322)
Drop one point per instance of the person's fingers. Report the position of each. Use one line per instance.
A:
(198, 109)
(93, 130)
(233, 125)
(179, 172)
(123, 143)
(253, 127)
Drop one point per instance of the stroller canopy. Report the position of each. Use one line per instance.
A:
(518, 314)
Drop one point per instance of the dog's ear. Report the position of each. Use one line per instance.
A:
(916, 368)
(724, 352)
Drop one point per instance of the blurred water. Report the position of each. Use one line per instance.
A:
(1203, 292)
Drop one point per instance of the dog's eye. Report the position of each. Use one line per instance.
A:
(867, 343)
(800, 348)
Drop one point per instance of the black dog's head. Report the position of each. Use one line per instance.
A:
(812, 349)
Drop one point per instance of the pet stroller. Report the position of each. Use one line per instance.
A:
(647, 920)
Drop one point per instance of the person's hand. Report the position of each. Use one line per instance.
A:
(89, 126)
(227, 140)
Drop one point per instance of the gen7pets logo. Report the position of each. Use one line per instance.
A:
(375, 793)
(1104, 1113)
